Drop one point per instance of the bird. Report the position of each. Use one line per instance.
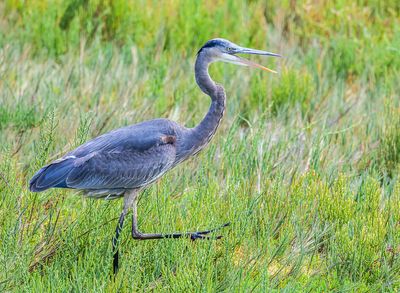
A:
(124, 161)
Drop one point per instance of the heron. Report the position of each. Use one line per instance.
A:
(124, 161)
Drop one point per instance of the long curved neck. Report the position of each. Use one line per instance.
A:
(204, 131)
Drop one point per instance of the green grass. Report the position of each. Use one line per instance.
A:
(305, 164)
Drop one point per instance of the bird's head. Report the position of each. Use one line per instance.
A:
(224, 50)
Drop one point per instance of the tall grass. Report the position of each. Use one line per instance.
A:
(305, 164)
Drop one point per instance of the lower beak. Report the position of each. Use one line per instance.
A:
(254, 52)
(253, 64)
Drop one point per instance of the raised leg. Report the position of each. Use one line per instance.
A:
(130, 200)
(136, 234)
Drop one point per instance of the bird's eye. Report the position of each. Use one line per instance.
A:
(230, 49)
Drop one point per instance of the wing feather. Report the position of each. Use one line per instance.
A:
(125, 170)
(126, 158)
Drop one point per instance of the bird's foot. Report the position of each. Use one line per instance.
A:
(204, 234)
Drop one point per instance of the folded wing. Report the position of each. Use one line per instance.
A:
(111, 163)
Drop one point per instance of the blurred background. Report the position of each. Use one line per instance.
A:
(305, 163)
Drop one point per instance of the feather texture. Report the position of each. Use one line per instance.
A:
(126, 158)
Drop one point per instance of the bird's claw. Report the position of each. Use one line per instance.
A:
(202, 234)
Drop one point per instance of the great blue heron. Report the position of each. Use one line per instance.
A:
(124, 161)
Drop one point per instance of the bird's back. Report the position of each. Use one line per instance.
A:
(126, 158)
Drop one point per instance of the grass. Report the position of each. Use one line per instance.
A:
(305, 164)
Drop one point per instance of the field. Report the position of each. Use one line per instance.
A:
(305, 164)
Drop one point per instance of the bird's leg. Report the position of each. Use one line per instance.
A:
(136, 234)
(115, 241)
(129, 197)
(197, 234)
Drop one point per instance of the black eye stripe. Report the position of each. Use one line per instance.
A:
(216, 43)
(213, 43)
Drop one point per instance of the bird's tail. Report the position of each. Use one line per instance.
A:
(53, 175)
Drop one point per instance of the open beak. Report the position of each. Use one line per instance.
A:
(241, 61)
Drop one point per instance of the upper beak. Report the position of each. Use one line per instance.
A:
(254, 52)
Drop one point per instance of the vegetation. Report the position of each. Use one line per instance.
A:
(305, 164)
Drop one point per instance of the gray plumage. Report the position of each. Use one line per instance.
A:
(126, 160)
